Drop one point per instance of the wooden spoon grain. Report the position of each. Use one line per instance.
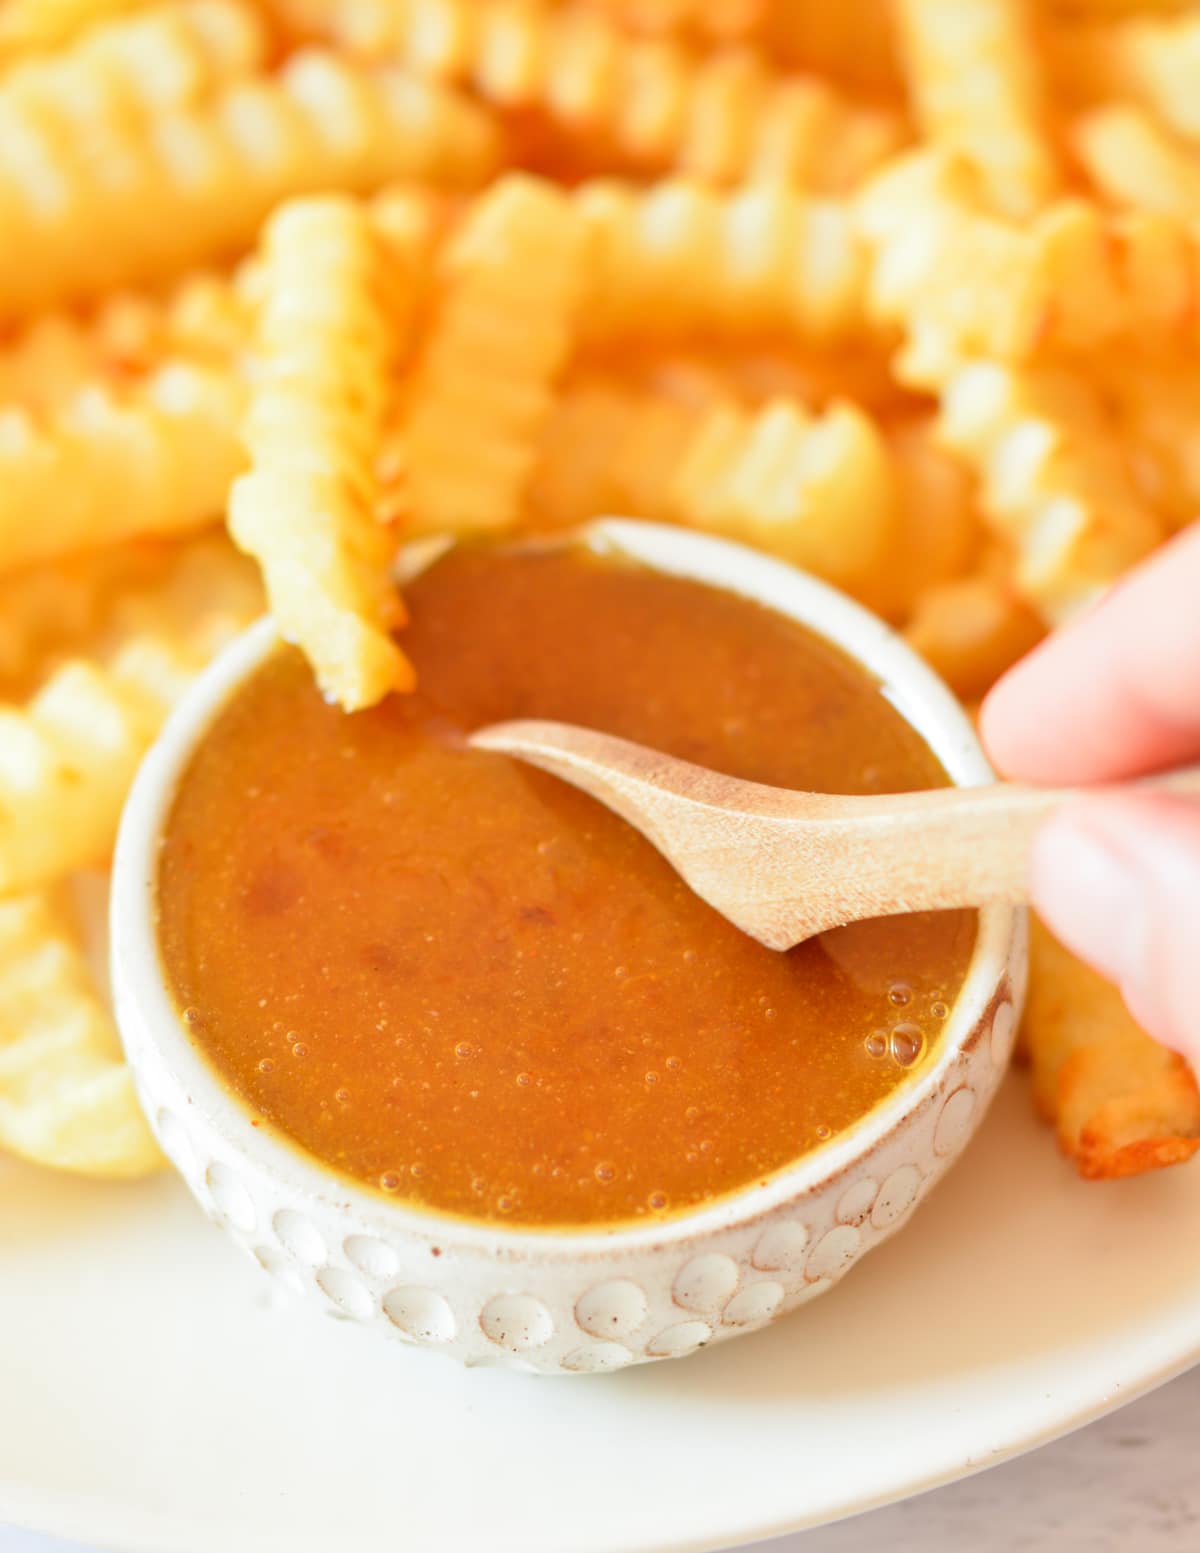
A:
(785, 865)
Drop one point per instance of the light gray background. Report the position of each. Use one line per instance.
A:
(1128, 1484)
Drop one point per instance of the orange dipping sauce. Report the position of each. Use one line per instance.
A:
(469, 986)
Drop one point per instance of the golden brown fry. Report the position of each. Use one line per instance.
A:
(57, 609)
(718, 20)
(38, 26)
(1158, 411)
(504, 318)
(971, 629)
(1120, 1103)
(817, 490)
(111, 464)
(167, 56)
(938, 527)
(1053, 481)
(653, 103)
(677, 259)
(66, 1096)
(67, 757)
(853, 44)
(194, 186)
(1136, 164)
(973, 75)
(1149, 60)
(306, 509)
(960, 282)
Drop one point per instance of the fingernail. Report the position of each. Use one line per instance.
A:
(1091, 897)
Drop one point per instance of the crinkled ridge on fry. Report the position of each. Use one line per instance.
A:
(678, 257)
(504, 317)
(1053, 482)
(68, 755)
(66, 1096)
(720, 117)
(815, 489)
(167, 56)
(192, 186)
(306, 510)
(113, 464)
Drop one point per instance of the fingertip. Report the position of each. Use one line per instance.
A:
(1117, 879)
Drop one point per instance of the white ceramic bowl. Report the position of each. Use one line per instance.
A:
(556, 1302)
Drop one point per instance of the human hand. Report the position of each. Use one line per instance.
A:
(1113, 695)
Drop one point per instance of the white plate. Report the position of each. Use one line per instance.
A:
(154, 1393)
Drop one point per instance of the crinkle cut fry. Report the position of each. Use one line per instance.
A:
(306, 510)
(1053, 482)
(68, 755)
(66, 1096)
(716, 20)
(194, 185)
(203, 321)
(1151, 61)
(1136, 164)
(504, 319)
(30, 27)
(960, 282)
(973, 76)
(817, 490)
(1121, 1104)
(111, 465)
(677, 258)
(166, 56)
(654, 102)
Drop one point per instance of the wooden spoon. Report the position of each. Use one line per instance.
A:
(784, 865)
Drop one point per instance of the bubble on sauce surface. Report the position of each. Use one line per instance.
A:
(906, 1043)
(900, 994)
(876, 1043)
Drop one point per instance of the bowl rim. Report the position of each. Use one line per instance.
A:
(138, 976)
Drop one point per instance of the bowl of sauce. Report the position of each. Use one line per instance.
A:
(449, 1048)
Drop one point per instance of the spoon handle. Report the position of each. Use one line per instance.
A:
(968, 846)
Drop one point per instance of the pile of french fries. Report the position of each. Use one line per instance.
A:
(906, 292)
